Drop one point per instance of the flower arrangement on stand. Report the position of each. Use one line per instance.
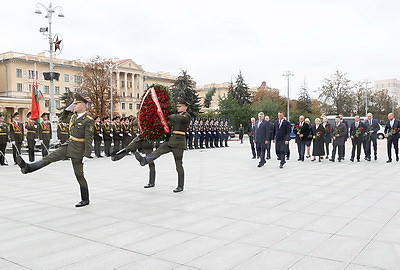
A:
(155, 107)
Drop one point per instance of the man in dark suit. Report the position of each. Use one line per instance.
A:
(262, 135)
(392, 129)
(250, 130)
(271, 136)
(346, 136)
(328, 135)
(357, 131)
(339, 133)
(281, 137)
(372, 128)
(302, 131)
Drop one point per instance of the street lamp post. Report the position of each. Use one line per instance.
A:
(50, 10)
(366, 96)
(111, 66)
(288, 74)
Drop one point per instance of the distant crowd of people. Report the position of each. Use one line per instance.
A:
(319, 136)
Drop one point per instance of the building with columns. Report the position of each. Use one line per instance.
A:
(17, 71)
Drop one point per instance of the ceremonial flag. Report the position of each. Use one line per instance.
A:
(35, 108)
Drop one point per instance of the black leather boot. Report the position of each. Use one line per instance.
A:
(30, 167)
(145, 160)
(119, 155)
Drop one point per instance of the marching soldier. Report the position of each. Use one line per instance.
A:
(117, 132)
(97, 137)
(107, 135)
(176, 143)
(126, 131)
(62, 131)
(3, 140)
(31, 136)
(78, 147)
(16, 136)
(139, 144)
(45, 134)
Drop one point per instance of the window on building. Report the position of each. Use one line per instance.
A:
(19, 73)
(123, 94)
(137, 106)
(31, 74)
(77, 79)
(137, 96)
(123, 106)
(19, 87)
(67, 89)
(130, 84)
(47, 103)
(57, 90)
(130, 94)
(58, 104)
(66, 78)
(76, 89)
(130, 106)
(123, 84)
(46, 89)
(29, 87)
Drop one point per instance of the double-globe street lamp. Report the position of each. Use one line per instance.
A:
(50, 10)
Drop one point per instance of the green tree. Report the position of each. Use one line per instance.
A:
(236, 114)
(268, 107)
(382, 104)
(184, 87)
(304, 101)
(240, 91)
(209, 96)
(66, 99)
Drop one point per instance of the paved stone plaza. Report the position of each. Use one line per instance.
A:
(232, 215)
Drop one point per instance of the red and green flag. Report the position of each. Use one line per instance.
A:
(35, 110)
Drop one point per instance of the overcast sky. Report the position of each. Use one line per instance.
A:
(213, 40)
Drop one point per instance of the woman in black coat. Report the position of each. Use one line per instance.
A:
(241, 133)
(318, 132)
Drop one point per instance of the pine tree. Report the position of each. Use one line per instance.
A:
(209, 96)
(66, 99)
(240, 91)
(184, 87)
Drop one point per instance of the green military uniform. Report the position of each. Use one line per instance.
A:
(78, 146)
(127, 135)
(3, 141)
(98, 137)
(45, 136)
(117, 133)
(62, 131)
(176, 144)
(107, 137)
(17, 136)
(31, 136)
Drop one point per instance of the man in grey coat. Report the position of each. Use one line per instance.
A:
(339, 134)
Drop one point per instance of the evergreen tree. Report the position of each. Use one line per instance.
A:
(184, 87)
(304, 100)
(209, 96)
(66, 99)
(240, 92)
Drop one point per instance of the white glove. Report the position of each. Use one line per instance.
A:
(85, 159)
(13, 142)
(35, 126)
(70, 107)
(40, 141)
(129, 134)
(111, 135)
(101, 135)
(121, 135)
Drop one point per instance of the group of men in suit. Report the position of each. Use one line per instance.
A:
(262, 133)
(363, 134)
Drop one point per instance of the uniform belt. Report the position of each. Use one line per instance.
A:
(77, 139)
(32, 131)
(45, 131)
(3, 133)
(64, 133)
(179, 132)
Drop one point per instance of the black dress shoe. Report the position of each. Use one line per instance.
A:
(178, 189)
(280, 166)
(99, 156)
(331, 159)
(299, 159)
(397, 159)
(253, 158)
(389, 161)
(352, 160)
(368, 159)
(260, 165)
(82, 203)
(149, 185)
(339, 160)
(358, 160)
(5, 164)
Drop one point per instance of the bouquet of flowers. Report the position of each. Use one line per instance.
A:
(327, 129)
(318, 134)
(337, 130)
(155, 107)
(393, 132)
(296, 129)
(358, 132)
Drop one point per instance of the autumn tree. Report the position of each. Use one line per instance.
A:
(336, 95)
(96, 86)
